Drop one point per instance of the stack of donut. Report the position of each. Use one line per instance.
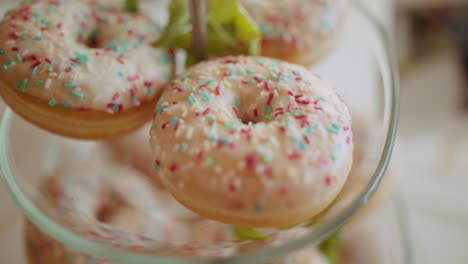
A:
(86, 69)
(119, 196)
(246, 141)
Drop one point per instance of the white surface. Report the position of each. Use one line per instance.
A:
(433, 140)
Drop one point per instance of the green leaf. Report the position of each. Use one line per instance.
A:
(230, 30)
(178, 26)
(331, 248)
(219, 40)
(179, 12)
(248, 31)
(131, 6)
(247, 233)
(223, 11)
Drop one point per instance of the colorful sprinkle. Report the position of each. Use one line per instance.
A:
(157, 165)
(35, 71)
(68, 104)
(68, 70)
(82, 58)
(174, 121)
(182, 146)
(52, 102)
(251, 161)
(232, 125)
(22, 85)
(8, 63)
(40, 83)
(206, 96)
(209, 161)
(267, 112)
(69, 85)
(192, 100)
(238, 102)
(78, 94)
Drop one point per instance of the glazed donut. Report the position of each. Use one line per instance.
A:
(81, 69)
(110, 194)
(42, 249)
(96, 195)
(252, 141)
(299, 31)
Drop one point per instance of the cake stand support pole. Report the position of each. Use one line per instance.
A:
(198, 13)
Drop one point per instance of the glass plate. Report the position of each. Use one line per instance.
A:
(22, 170)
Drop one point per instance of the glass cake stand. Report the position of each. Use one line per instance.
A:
(26, 153)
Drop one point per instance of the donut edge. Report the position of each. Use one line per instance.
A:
(74, 123)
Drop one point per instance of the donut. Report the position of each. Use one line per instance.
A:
(81, 69)
(88, 200)
(41, 249)
(100, 197)
(133, 149)
(298, 31)
(112, 194)
(252, 141)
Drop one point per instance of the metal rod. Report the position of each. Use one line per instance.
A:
(198, 13)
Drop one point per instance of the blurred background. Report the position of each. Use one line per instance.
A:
(432, 43)
(432, 47)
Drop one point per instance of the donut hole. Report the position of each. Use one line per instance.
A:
(109, 208)
(247, 119)
(255, 113)
(104, 213)
(250, 108)
(93, 40)
(99, 38)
